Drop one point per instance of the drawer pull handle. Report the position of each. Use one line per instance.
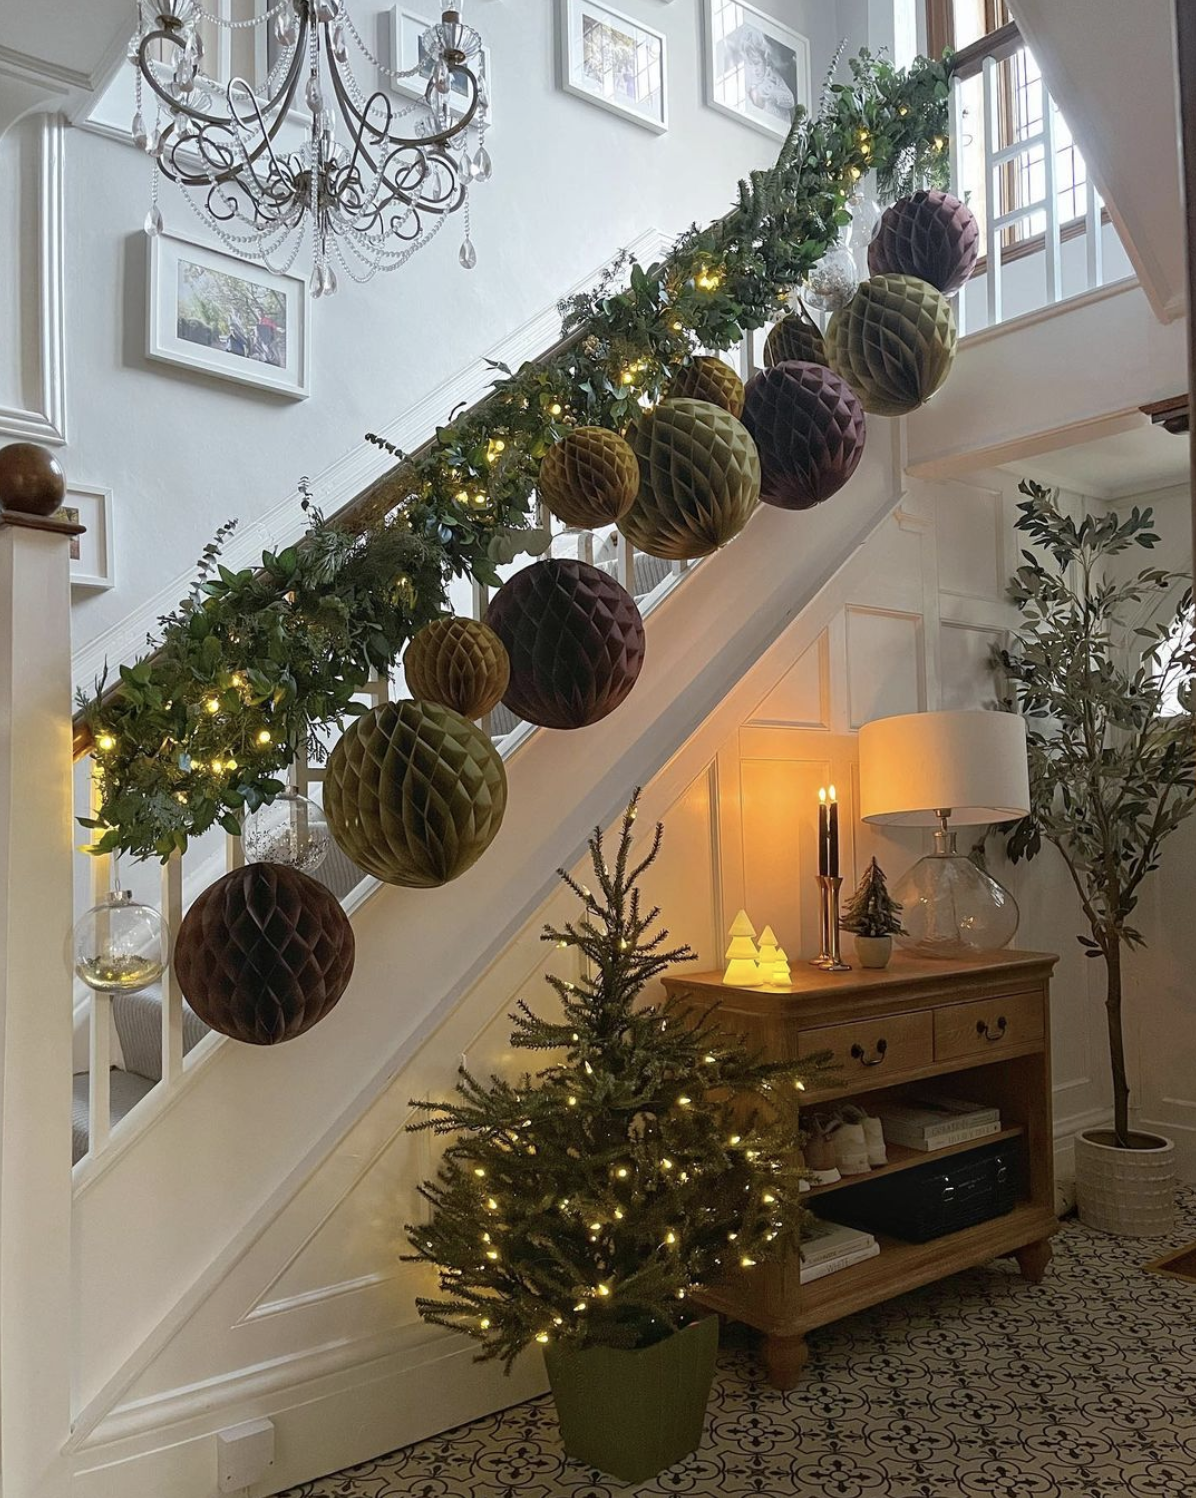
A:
(859, 1054)
(983, 1028)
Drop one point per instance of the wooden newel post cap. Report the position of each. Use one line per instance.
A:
(31, 479)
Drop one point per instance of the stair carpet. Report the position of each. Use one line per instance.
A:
(138, 1017)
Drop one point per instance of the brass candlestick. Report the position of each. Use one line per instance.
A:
(830, 959)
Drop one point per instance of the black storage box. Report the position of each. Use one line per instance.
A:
(937, 1198)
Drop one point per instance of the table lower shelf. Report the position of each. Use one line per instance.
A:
(903, 1157)
(899, 1267)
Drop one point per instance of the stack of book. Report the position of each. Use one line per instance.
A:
(829, 1247)
(934, 1122)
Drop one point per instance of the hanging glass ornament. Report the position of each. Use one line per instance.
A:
(832, 281)
(292, 830)
(153, 221)
(120, 945)
(865, 215)
(468, 256)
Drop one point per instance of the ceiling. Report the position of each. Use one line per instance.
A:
(65, 48)
(1138, 461)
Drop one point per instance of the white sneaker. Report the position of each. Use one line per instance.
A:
(874, 1134)
(851, 1149)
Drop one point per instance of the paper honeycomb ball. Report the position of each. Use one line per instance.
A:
(31, 479)
(459, 663)
(795, 337)
(709, 379)
(264, 954)
(575, 639)
(414, 793)
(589, 477)
(808, 425)
(932, 235)
(699, 480)
(894, 343)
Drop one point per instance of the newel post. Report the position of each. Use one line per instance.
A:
(36, 843)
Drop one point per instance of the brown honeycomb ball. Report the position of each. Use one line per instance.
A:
(589, 477)
(576, 642)
(460, 663)
(264, 954)
(31, 479)
(709, 379)
(809, 427)
(932, 235)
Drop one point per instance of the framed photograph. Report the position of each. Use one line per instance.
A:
(757, 70)
(406, 51)
(226, 317)
(91, 553)
(614, 61)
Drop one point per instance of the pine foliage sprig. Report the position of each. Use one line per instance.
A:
(872, 911)
(584, 1203)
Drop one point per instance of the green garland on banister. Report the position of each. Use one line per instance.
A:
(254, 664)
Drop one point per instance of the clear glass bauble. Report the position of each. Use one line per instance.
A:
(832, 281)
(951, 907)
(865, 215)
(292, 830)
(120, 945)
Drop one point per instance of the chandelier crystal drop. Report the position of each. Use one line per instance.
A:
(305, 153)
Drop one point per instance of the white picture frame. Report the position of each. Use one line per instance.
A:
(227, 317)
(407, 26)
(753, 65)
(92, 553)
(615, 61)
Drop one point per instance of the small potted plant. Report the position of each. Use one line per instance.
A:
(576, 1210)
(872, 916)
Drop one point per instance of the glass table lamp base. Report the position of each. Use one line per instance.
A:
(952, 908)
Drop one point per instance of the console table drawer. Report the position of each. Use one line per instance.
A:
(987, 1025)
(876, 1048)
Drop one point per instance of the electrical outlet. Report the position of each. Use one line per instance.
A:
(244, 1455)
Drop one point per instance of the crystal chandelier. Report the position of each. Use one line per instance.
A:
(372, 183)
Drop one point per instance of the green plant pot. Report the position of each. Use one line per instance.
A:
(632, 1414)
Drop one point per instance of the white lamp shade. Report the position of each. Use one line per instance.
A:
(971, 764)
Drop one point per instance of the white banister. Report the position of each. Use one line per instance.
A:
(957, 130)
(1054, 247)
(992, 178)
(99, 1096)
(1094, 243)
(36, 1040)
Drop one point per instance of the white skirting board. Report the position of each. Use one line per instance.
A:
(323, 1425)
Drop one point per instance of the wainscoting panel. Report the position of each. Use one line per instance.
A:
(886, 670)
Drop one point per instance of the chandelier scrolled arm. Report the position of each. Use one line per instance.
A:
(363, 197)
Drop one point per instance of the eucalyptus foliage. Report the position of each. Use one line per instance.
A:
(582, 1204)
(281, 649)
(1102, 669)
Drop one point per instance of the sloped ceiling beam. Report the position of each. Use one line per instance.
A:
(1111, 67)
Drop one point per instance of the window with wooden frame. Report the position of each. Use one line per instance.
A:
(974, 30)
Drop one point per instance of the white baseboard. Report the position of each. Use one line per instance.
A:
(322, 1424)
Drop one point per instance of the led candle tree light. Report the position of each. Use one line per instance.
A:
(743, 957)
(579, 1207)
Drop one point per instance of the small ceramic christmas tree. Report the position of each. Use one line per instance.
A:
(769, 954)
(781, 976)
(743, 958)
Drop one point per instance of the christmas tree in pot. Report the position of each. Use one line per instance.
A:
(579, 1208)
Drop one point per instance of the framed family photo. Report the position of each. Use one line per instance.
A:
(226, 317)
(614, 61)
(757, 69)
(407, 29)
(92, 552)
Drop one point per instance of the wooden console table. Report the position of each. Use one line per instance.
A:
(978, 1029)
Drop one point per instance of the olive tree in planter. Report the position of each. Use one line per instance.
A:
(578, 1208)
(1102, 670)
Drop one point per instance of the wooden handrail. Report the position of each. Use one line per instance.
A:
(998, 45)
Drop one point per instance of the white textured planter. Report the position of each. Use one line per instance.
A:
(874, 951)
(1130, 1192)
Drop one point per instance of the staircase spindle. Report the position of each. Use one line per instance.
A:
(1093, 244)
(958, 186)
(1054, 253)
(172, 994)
(99, 1097)
(992, 178)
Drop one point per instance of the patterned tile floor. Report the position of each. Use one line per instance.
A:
(978, 1387)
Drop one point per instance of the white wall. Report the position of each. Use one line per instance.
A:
(184, 452)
